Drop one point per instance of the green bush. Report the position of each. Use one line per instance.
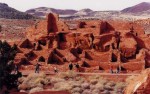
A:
(7, 55)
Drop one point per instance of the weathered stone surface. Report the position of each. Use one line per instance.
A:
(128, 49)
(140, 84)
(92, 43)
(52, 24)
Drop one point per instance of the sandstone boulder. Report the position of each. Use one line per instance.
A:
(128, 47)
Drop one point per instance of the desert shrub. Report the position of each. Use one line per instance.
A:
(56, 80)
(85, 85)
(76, 93)
(66, 85)
(92, 87)
(33, 81)
(36, 89)
(75, 84)
(99, 86)
(103, 81)
(62, 86)
(105, 92)
(108, 87)
(97, 79)
(95, 91)
(119, 87)
(93, 81)
(80, 79)
(87, 91)
(76, 90)
(39, 81)
(70, 85)
(68, 74)
(111, 83)
(42, 75)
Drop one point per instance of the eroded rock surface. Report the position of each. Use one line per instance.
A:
(139, 84)
(91, 43)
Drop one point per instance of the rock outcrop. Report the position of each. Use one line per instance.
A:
(91, 43)
(140, 84)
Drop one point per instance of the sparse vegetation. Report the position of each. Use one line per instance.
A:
(72, 83)
(34, 82)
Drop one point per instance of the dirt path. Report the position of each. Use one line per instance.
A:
(26, 72)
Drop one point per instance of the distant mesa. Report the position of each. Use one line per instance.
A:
(42, 11)
(3, 5)
(139, 11)
(11, 13)
(144, 6)
(84, 12)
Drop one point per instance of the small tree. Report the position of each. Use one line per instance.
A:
(7, 55)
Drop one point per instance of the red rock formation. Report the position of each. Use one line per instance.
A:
(52, 23)
(26, 44)
(92, 43)
(41, 29)
(128, 49)
(140, 84)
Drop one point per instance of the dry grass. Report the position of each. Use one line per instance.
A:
(68, 74)
(73, 83)
(33, 81)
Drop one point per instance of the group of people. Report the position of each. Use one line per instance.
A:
(70, 66)
(118, 69)
(37, 68)
(76, 65)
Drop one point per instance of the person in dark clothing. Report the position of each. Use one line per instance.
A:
(37, 68)
(55, 70)
(16, 69)
(118, 69)
(70, 66)
(111, 68)
(77, 67)
(34, 46)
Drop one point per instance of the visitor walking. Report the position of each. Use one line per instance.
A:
(70, 66)
(16, 69)
(77, 67)
(34, 46)
(55, 70)
(118, 69)
(111, 68)
(37, 68)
